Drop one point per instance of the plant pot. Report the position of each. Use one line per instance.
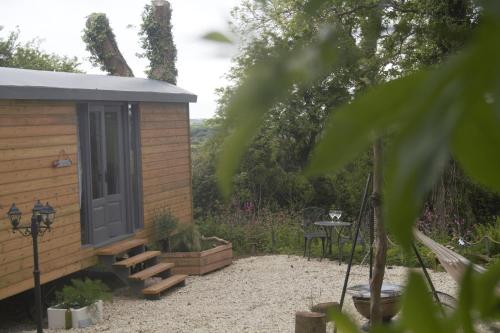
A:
(199, 263)
(86, 316)
(57, 318)
(81, 317)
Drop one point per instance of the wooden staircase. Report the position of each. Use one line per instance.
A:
(137, 267)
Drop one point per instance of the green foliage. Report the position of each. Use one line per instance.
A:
(187, 239)
(444, 104)
(200, 132)
(266, 233)
(270, 170)
(158, 43)
(430, 121)
(485, 239)
(28, 55)
(82, 293)
(281, 233)
(164, 224)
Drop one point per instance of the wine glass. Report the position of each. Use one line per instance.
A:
(335, 214)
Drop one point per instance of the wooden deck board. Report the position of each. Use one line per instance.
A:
(164, 284)
(120, 247)
(137, 259)
(151, 271)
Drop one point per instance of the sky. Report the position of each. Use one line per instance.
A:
(201, 64)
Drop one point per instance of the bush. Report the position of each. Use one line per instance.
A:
(82, 293)
(486, 238)
(164, 224)
(187, 239)
(271, 232)
(267, 232)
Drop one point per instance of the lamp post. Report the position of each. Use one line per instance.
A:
(41, 219)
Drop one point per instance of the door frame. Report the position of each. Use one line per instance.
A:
(85, 176)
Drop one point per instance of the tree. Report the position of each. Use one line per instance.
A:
(270, 173)
(157, 41)
(428, 113)
(28, 55)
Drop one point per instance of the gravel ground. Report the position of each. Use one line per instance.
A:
(256, 294)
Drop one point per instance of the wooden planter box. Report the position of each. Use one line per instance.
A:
(199, 263)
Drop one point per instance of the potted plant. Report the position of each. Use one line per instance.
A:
(79, 304)
(164, 224)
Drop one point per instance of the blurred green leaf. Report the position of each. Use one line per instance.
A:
(476, 145)
(269, 81)
(352, 128)
(466, 299)
(487, 293)
(259, 92)
(419, 154)
(218, 37)
(418, 310)
(343, 323)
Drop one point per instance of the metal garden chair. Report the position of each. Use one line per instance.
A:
(311, 232)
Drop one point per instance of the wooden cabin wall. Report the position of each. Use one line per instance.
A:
(32, 135)
(166, 161)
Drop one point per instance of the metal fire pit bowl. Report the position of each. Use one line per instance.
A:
(390, 297)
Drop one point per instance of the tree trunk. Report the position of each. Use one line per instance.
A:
(310, 322)
(380, 244)
(158, 41)
(101, 43)
(114, 61)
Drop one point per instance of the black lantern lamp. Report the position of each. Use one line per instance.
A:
(38, 208)
(14, 216)
(41, 220)
(48, 214)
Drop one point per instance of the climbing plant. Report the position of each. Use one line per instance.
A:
(101, 43)
(158, 43)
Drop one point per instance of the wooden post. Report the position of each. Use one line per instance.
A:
(310, 322)
(380, 245)
(325, 308)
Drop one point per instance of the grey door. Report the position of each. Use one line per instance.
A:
(107, 174)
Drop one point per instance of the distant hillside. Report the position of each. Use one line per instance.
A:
(200, 131)
(197, 121)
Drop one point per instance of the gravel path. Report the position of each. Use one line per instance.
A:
(256, 294)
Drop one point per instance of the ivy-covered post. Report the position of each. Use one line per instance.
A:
(100, 41)
(157, 41)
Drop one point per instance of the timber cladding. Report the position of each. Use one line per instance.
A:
(32, 136)
(166, 161)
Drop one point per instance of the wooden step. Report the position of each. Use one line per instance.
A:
(151, 271)
(129, 262)
(157, 288)
(121, 247)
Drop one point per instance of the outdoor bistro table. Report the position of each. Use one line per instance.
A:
(329, 227)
